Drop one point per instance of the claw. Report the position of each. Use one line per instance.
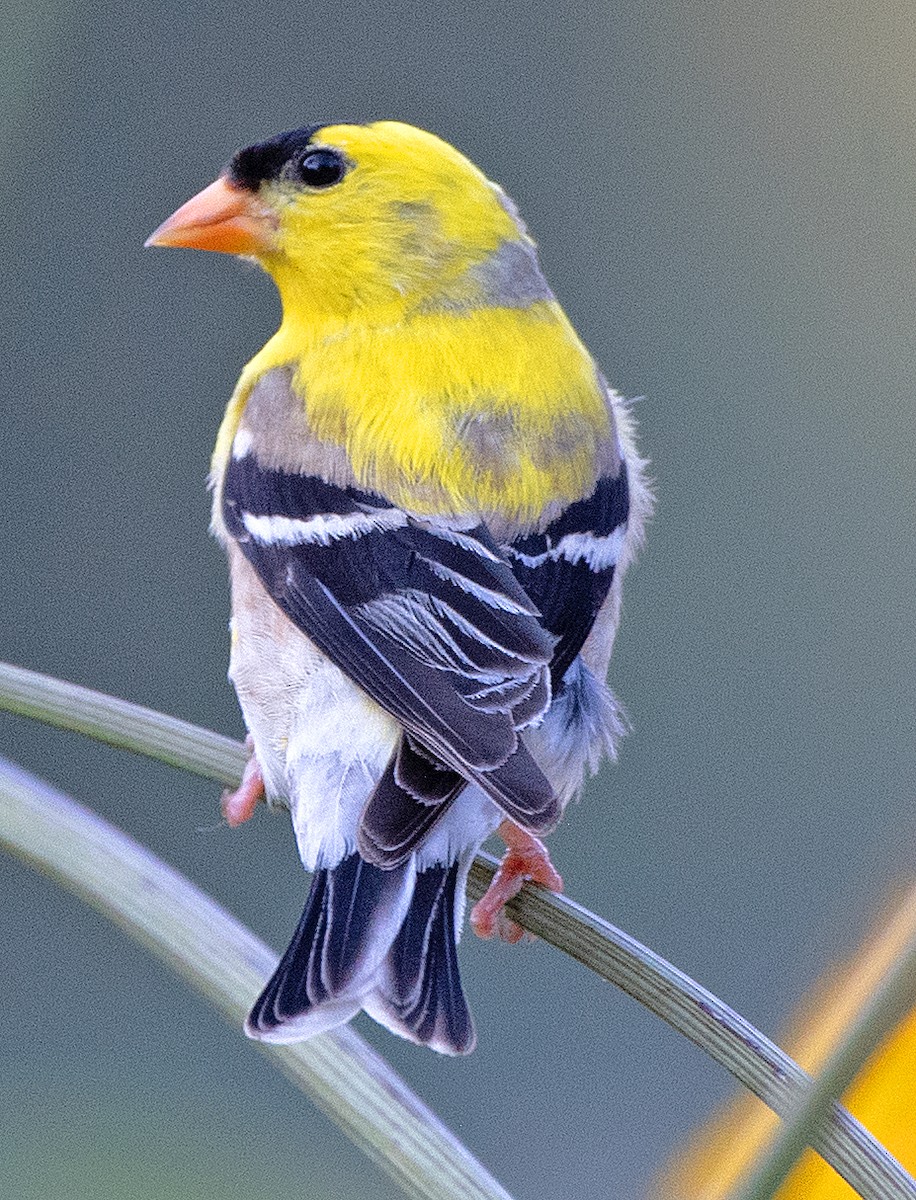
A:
(526, 858)
(238, 805)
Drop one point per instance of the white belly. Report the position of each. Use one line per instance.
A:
(321, 742)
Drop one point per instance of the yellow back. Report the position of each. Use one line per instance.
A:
(423, 337)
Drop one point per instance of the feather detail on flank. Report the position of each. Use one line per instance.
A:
(585, 726)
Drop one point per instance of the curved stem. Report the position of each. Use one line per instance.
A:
(883, 1010)
(689, 1008)
(733, 1042)
(217, 955)
(121, 724)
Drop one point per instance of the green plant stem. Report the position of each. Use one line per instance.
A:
(121, 724)
(689, 1008)
(884, 1010)
(226, 962)
(727, 1037)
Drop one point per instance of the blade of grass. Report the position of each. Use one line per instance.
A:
(689, 1008)
(222, 959)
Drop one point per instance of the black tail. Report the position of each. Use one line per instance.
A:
(383, 940)
(420, 994)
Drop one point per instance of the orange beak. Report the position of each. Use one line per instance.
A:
(221, 217)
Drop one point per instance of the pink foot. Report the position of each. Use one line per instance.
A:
(526, 858)
(239, 805)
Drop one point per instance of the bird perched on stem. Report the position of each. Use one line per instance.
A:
(428, 495)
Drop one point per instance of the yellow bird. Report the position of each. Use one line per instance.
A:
(428, 495)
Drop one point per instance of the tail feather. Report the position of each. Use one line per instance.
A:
(419, 994)
(382, 940)
(411, 796)
(352, 914)
(364, 906)
(415, 791)
(287, 993)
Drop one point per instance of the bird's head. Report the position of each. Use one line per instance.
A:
(381, 216)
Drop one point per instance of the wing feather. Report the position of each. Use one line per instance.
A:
(567, 570)
(427, 617)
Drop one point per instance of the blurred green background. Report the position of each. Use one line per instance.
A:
(724, 199)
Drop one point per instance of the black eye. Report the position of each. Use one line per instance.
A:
(320, 168)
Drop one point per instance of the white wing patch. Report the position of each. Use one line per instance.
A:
(319, 530)
(599, 553)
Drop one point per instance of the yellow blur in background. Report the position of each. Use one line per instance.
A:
(883, 1096)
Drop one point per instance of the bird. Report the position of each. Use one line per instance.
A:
(428, 494)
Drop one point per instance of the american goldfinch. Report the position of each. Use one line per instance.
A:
(428, 495)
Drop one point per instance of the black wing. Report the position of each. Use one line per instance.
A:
(567, 570)
(427, 618)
